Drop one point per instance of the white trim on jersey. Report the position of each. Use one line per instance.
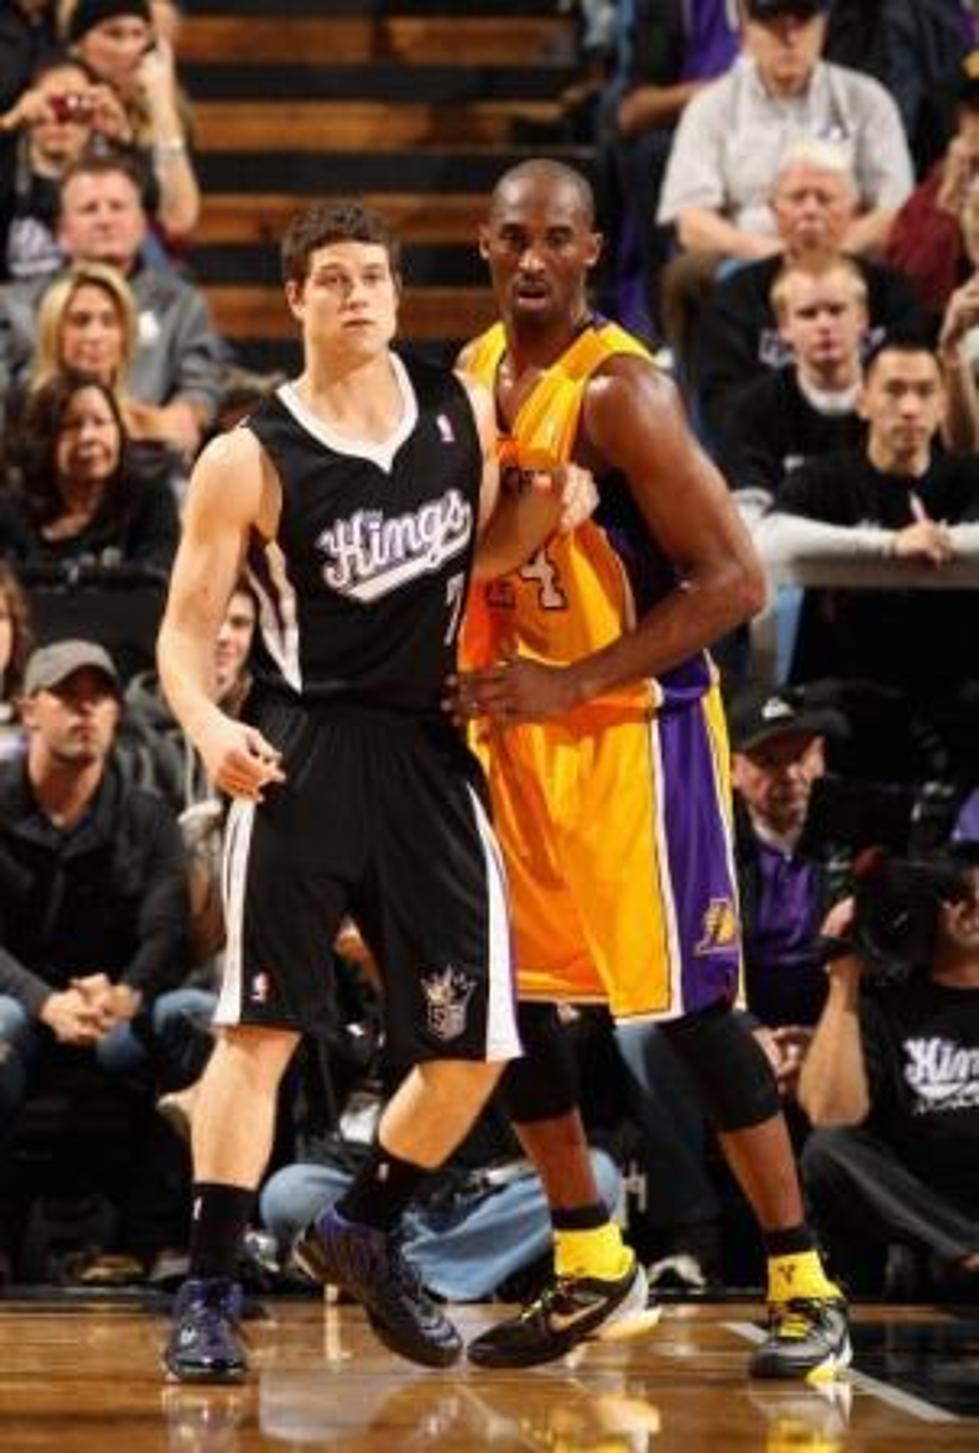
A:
(502, 1038)
(278, 619)
(234, 872)
(661, 843)
(382, 454)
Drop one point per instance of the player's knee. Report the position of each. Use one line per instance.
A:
(731, 1070)
(260, 1055)
(543, 1085)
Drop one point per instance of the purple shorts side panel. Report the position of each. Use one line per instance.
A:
(700, 862)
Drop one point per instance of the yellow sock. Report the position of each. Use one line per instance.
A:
(599, 1252)
(799, 1275)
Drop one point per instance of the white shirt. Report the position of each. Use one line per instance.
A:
(732, 137)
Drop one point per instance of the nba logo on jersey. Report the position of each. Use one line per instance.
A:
(446, 431)
(447, 997)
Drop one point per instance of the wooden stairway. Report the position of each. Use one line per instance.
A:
(409, 104)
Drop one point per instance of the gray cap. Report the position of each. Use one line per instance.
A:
(50, 665)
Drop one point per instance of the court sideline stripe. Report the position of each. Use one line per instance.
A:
(906, 1401)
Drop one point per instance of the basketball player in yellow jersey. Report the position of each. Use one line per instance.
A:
(599, 724)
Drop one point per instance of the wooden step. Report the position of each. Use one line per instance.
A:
(426, 313)
(239, 217)
(353, 126)
(421, 40)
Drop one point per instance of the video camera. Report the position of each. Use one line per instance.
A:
(897, 906)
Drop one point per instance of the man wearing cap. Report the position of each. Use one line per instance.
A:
(93, 911)
(731, 137)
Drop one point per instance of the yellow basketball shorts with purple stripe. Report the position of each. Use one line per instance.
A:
(617, 842)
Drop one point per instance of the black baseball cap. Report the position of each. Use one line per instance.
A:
(763, 10)
(759, 713)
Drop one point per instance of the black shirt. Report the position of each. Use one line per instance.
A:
(775, 429)
(738, 338)
(923, 641)
(921, 1047)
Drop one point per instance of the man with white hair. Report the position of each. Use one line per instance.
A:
(732, 137)
(814, 203)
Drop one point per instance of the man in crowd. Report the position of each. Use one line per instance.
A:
(810, 406)
(895, 499)
(814, 201)
(891, 1083)
(179, 361)
(93, 906)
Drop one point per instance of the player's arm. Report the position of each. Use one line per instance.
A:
(230, 494)
(513, 526)
(633, 420)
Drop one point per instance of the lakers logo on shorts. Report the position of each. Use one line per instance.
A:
(447, 996)
(720, 927)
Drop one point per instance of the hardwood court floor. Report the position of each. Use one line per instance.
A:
(86, 1379)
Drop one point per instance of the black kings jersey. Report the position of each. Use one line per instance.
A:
(361, 592)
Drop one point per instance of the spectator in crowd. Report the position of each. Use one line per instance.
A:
(93, 890)
(927, 241)
(958, 339)
(894, 501)
(814, 202)
(731, 138)
(87, 323)
(179, 360)
(116, 39)
(74, 496)
(891, 1083)
(808, 407)
(55, 119)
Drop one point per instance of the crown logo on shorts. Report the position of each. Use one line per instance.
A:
(447, 994)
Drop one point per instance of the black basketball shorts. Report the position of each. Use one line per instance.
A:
(380, 817)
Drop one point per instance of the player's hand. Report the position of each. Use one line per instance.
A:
(238, 759)
(791, 1041)
(514, 690)
(578, 494)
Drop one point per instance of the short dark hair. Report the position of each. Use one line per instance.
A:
(906, 343)
(105, 161)
(326, 222)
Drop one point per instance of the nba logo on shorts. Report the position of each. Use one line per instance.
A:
(260, 989)
(446, 431)
(447, 997)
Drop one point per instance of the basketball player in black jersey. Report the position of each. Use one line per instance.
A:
(354, 499)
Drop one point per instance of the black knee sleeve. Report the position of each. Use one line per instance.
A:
(544, 1084)
(731, 1070)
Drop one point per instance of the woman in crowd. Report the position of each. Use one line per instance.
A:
(118, 41)
(16, 642)
(87, 322)
(74, 493)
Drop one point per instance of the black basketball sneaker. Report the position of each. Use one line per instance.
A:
(569, 1310)
(369, 1265)
(808, 1338)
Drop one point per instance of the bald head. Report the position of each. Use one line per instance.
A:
(545, 180)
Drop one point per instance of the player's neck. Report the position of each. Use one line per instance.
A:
(363, 399)
(539, 344)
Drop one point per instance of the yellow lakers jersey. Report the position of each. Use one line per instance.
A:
(581, 590)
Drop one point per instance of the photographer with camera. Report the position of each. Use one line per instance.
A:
(891, 1081)
(63, 111)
